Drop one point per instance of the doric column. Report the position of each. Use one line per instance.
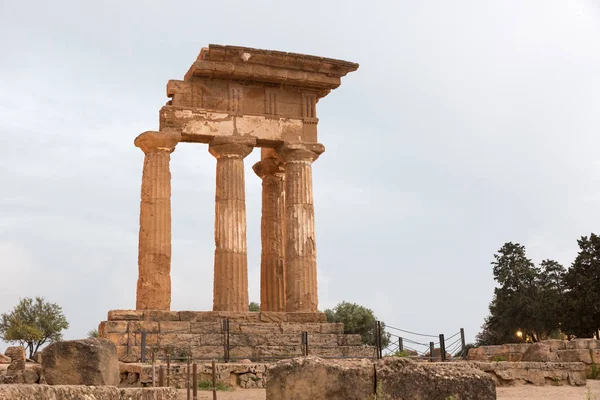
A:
(154, 251)
(272, 278)
(231, 259)
(300, 249)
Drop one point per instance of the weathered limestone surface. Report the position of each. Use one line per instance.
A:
(4, 359)
(300, 243)
(272, 277)
(537, 373)
(312, 378)
(403, 379)
(586, 351)
(154, 257)
(45, 392)
(15, 353)
(81, 362)
(231, 258)
(391, 378)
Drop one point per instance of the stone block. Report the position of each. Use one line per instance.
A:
(306, 318)
(214, 339)
(174, 327)
(35, 391)
(208, 352)
(16, 353)
(349, 340)
(125, 315)
(288, 327)
(129, 354)
(312, 378)
(119, 339)
(260, 328)
(4, 359)
(540, 352)
(207, 327)
(147, 326)
(112, 327)
(161, 315)
(278, 351)
(81, 362)
(241, 352)
(575, 355)
(333, 327)
(536, 373)
(400, 378)
(240, 316)
(272, 316)
(579, 344)
(199, 316)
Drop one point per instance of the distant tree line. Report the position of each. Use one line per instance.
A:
(538, 302)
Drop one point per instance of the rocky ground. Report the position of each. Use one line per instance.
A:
(523, 392)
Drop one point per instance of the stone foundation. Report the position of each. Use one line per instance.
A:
(46, 392)
(586, 351)
(259, 336)
(536, 373)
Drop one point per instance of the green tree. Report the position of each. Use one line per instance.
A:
(358, 320)
(33, 323)
(514, 305)
(550, 298)
(253, 306)
(93, 334)
(582, 290)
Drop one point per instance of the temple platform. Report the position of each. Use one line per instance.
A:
(257, 336)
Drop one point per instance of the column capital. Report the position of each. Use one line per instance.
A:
(231, 146)
(270, 166)
(152, 141)
(300, 152)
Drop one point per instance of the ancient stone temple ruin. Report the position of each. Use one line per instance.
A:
(235, 99)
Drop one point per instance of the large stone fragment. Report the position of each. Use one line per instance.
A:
(312, 378)
(536, 373)
(4, 359)
(16, 353)
(541, 352)
(81, 362)
(402, 379)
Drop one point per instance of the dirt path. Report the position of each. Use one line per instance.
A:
(525, 392)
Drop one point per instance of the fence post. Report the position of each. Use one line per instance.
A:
(463, 352)
(161, 376)
(442, 348)
(214, 380)
(143, 346)
(153, 370)
(226, 340)
(431, 347)
(195, 381)
(187, 378)
(168, 370)
(400, 344)
(378, 338)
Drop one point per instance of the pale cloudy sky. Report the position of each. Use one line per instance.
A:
(468, 124)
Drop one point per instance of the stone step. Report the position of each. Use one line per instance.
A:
(153, 327)
(208, 316)
(132, 354)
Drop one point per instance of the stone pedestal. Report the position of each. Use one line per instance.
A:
(300, 246)
(154, 251)
(272, 277)
(231, 259)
